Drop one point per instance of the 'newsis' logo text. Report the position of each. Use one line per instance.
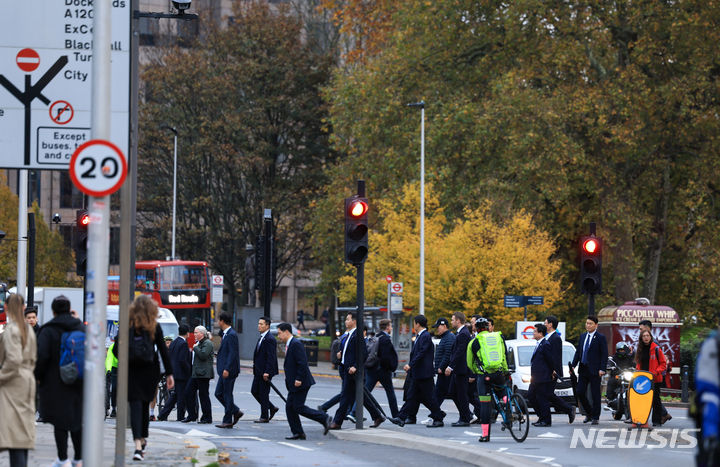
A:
(613, 438)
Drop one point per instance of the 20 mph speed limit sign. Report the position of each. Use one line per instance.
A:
(98, 168)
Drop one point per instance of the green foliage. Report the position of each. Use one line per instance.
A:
(323, 341)
(691, 340)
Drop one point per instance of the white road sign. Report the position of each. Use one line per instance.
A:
(45, 80)
(396, 288)
(217, 289)
(98, 168)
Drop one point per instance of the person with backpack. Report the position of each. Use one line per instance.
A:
(381, 362)
(144, 343)
(650, 358)
(486, 358)
(61, 398)
(18, 352)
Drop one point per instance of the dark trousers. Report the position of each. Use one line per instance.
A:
(177, 396)
(18, 457)
(484, 384)
(336, 398)
(111, 389)
(260, 390)
(61, 443)
(593, 380)
(539, 396)
(657, 407)
(139, 418)
(295, 407)
(384, 377)
(442, 385)
(224, 394)
(420, 391)
(473, 394)
(347, 400)
(558, 403)
(459, 393)
(199, 387)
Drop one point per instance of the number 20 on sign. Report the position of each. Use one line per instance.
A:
(98, 168)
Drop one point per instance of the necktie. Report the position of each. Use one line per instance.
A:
(585, 349)
(259, 342)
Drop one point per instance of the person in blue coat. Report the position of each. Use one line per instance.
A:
(592, 355)
(298, 380)
(443, 352)
(541, 377)
(420, 371)
(264, 368)
(228, 368)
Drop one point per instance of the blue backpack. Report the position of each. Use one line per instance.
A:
(72, 356)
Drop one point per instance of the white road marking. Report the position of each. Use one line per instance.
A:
(200, 434)
(302, 448)
(550, 434)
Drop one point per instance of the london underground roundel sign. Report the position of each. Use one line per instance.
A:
(98, 168)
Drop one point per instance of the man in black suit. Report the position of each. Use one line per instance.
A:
(264, 368)
(541, 377)
(556, 350)
(298, 380)
(443, 352)
(387, 363)
(420, 371)
(228, 368)
(592, 354)
(182, 366)
(458, 370)
(349, 362)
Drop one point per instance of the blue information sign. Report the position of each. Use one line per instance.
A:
(535, 300)
(514, 301)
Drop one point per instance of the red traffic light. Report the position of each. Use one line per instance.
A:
(82, 220)
(357, 209)
(590, 246)
(85, 220)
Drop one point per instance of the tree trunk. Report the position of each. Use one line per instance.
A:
(625, 286)
(654, 252)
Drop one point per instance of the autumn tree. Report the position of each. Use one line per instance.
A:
(245, 100)
(470, 264)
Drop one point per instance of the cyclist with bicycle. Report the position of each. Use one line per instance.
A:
(486, 358)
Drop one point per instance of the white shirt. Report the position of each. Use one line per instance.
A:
(547, 336)
(347, 341)
(287, 343)
(588, 339)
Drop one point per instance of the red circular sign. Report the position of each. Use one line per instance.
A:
(528, 332)
(98, 168)
(397, 287)
(28, 60)
(61, 112)
(388, 279)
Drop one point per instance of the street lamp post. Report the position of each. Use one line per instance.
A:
(421, 104)
(175, 136)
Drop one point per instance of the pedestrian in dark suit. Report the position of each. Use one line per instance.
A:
(181, 359)
(556, 350)
(592, 354)
(298, 380)
(349, 364)
(457, 370)
(387, 364)
(443, 352)
(541, 377)
(420, 371)
(264, 368)
(228, 368)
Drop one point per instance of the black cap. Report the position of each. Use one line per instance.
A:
(441, 321)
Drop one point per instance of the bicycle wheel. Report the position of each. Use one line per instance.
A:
(162, 396)
(519, 418)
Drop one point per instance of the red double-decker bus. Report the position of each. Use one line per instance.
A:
(181, 286)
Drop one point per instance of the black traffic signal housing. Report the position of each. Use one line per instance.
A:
(591, 264)
(82, 220)
(260, 263)
(356, 229)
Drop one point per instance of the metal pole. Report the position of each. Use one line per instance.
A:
(591, 304)
(267, 276)
(174, 188)
(98, 255)
(422, 208)
(388, 301)
(30, 299)
(22, 232)
(359, 344)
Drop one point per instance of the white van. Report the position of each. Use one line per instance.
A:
(519, 353)
(166, 320)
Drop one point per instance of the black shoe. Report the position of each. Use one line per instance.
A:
(460, 423)
(205, 422)
(162, 419)
(273, 411)
(435, 424)
(541, 424)
(326, 425)
(350, 418)
(410, 421)
(321, 408)
(571, 415)
(113, 413)
(397, 421)
(376, 422)
(484, 439)
(138, 456)
(587, 420)
(188, 420)
(294, 437)
(595, 422)
(237, 416)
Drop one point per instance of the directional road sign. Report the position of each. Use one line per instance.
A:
(46, 80)
(98, 168)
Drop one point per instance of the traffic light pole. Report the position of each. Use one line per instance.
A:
(359, 332)
(267, 260)
(591, 296)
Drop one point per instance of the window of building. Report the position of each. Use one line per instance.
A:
(70, 197)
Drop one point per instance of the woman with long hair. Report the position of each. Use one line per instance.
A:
(18, 352)
(145, 336)
(649, 357)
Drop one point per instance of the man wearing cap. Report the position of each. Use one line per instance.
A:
(443, 352)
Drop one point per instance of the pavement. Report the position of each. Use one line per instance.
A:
(164, 448)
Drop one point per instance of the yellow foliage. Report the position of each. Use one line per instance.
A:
(469, 265)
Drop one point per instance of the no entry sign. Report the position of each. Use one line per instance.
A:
(27, 60)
